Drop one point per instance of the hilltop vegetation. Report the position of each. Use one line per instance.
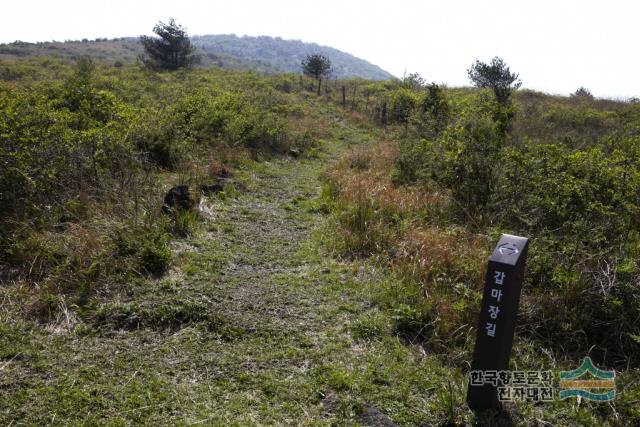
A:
(262, 54)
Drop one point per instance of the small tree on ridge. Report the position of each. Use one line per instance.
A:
(316, 66)
(582, 92)
(171, 50)
(495, 76)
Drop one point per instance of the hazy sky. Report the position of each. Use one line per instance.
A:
(556, 46)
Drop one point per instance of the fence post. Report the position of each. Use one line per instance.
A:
(344, 97)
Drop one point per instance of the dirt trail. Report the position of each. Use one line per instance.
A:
(265, 230)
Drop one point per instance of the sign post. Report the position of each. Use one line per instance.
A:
(497, 322)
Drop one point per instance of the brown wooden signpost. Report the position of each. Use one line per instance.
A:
(497, 323)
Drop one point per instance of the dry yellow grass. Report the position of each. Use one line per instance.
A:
(430, 252)
(410, 227)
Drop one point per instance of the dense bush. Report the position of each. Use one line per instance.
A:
(582, 208)
(401, 105)
(434, 111)
(463, 157)
(83, 155)
(56, 146)
(579, 204)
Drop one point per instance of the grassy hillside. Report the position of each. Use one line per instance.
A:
(334, 275)
(262, 54)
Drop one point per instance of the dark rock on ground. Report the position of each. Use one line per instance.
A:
(294, 152)
(224, 173)
(213, 188)
(372, 417)
(179, 197)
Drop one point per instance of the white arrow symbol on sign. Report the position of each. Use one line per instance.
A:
(508, 249)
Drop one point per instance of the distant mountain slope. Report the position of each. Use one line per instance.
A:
(286, 55)
(263, 54)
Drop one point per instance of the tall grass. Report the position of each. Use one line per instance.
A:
(408, 229)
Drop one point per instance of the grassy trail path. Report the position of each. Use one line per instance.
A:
(253, 326)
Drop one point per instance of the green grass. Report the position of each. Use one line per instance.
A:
(259, 321)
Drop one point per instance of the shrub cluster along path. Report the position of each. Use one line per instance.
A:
(254, 325)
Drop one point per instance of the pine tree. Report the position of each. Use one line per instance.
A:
(171, 50)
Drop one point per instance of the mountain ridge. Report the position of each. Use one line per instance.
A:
(289, 54)
(259, 53)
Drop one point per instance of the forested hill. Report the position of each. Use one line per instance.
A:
(286, 55)
(263, 54)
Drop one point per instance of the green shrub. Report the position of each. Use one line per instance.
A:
(230, 119)
(463, 158)
(401, 105)
(156, 136)
(581, 207)
(434, 111)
